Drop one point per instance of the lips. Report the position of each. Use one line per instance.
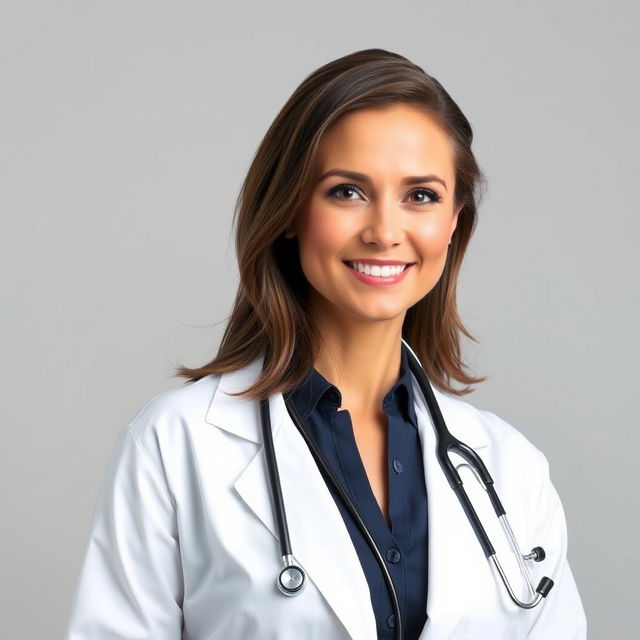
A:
(380, 276)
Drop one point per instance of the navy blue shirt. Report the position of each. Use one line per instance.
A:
(404, 544)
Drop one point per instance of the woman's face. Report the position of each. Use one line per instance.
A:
(399, 209)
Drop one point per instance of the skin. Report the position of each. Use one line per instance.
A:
(361, 325)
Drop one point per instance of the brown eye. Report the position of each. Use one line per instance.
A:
(434, 197)
(342, 188)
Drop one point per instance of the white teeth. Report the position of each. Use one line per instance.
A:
(377, 270)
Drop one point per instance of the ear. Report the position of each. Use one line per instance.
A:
(454, 222)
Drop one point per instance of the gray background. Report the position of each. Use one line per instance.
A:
(126, 129)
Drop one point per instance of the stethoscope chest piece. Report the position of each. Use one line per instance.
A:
(291, 579)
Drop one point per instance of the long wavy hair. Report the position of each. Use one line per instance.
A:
(270, 315)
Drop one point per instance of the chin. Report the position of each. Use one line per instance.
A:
(379, 315)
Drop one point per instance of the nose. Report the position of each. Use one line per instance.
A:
(383, 225)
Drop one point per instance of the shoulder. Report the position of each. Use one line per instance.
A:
(168, 414)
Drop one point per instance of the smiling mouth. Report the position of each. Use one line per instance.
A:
(383, 271)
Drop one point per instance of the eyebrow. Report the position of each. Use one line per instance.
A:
(361, 177)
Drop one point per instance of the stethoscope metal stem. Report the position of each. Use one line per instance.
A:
(536, 554)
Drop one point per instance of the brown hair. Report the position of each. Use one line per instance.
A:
(269, 316)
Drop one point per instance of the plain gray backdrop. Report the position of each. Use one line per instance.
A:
(126, 129)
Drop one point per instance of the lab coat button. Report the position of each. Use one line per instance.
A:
(393, 555)
(397, 465)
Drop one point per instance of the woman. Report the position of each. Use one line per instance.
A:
(353, 222)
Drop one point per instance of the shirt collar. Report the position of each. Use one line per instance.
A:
(315, 388)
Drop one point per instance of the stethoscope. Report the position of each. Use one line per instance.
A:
(292, 578)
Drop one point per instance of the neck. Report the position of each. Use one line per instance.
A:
(361, 358)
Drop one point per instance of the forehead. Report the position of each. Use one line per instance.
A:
(398, 139)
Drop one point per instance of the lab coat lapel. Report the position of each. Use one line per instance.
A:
(320, 540)
(453, 547)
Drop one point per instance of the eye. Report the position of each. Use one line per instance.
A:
(430, 193)
(341, 188)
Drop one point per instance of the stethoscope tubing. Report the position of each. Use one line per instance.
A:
(328, 475)
(272, 469)
(445, 444)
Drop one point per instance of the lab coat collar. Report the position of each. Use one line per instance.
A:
(340, 577)
(241, 416)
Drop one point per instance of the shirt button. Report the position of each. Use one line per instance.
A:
(391, 621)
(393, 555)
(397, 465)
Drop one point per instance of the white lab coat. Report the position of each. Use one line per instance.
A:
(183, 543)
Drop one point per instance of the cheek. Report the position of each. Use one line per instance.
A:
(323, 235)
(432, 238)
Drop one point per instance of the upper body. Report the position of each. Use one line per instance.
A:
(353, 223)
(183, 541)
